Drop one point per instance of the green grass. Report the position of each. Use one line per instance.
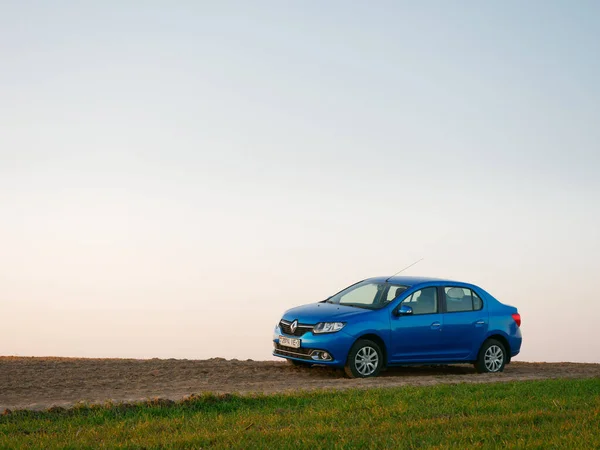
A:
(536, 414)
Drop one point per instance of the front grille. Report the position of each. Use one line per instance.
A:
(301, 330)
(301, 353)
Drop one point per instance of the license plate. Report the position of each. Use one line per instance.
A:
(289, 342)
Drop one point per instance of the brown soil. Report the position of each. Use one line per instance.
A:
(39, 383)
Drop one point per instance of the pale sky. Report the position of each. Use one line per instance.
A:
(175, 175)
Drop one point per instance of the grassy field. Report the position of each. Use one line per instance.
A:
(535, 414)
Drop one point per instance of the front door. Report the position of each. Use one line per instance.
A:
(418, 336)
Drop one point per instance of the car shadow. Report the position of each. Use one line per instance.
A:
(390, 372)
(428, 370)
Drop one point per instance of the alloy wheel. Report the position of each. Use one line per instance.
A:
(366, 361)
(494, 357)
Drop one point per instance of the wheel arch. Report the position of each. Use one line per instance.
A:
(379, 341)
(503, 340)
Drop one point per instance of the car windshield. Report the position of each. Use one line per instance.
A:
(367, 294)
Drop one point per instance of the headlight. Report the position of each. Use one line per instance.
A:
(328, 327)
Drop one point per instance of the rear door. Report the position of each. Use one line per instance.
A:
(417, 336)
(465, 322)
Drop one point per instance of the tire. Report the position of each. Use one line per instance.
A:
(492, 357)
(364, 360)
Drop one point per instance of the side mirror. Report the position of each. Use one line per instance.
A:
(404, 310)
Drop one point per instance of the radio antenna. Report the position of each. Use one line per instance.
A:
(407, 267)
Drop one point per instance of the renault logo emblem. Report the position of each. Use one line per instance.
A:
(293, 326)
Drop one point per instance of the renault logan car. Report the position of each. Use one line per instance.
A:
(382, 322)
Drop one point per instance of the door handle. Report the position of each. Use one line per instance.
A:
(479, 323)
(436, 326)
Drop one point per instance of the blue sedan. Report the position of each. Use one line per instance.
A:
(382, 322)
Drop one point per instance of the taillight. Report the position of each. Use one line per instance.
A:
(517, 318)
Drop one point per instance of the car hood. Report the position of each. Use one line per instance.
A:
(323, 312)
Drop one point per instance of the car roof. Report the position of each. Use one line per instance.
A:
(414, 281)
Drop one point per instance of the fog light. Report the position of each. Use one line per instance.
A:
(319, 355)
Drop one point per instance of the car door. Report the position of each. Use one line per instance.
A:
(417, 336)
(465, 322)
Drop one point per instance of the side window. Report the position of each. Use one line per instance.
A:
(424, 301)
(477, 302)
(462, 299)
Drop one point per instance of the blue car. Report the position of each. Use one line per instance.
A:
(382, 322)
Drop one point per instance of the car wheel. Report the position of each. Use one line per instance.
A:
(364, 360)
(492, 357)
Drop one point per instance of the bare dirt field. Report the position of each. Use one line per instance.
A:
(39, 383)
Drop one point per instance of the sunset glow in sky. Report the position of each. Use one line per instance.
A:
(173, 176)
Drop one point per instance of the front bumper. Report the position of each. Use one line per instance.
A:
(335, 344)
